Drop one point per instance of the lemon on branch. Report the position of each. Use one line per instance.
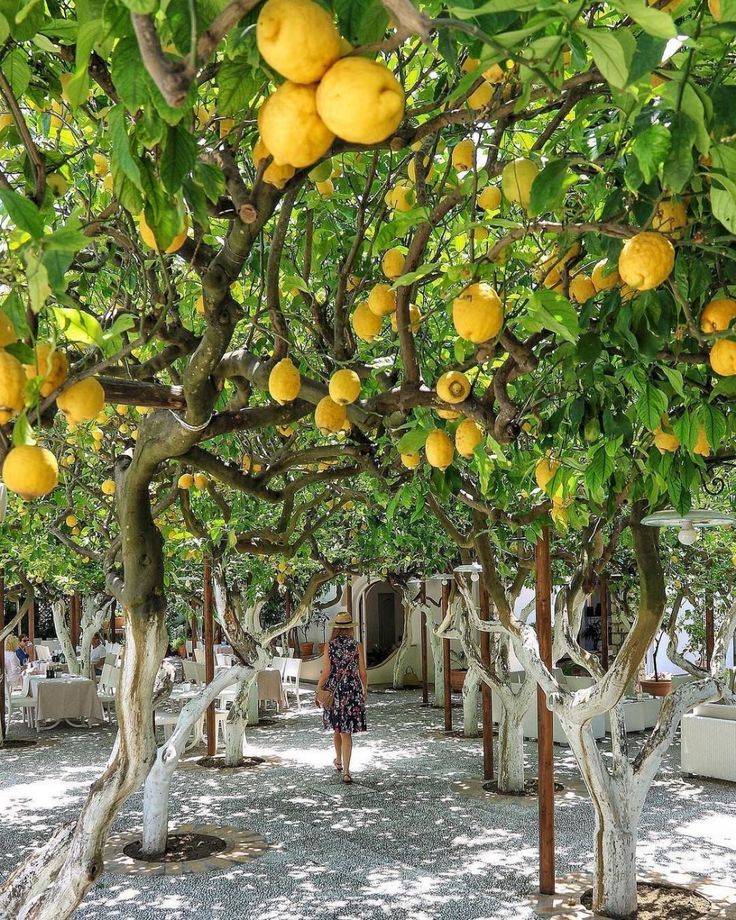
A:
(438, 449)
(545, 471)
(604, 276)
(723, 358)
(516, 180)
(12, 387)
(329, 416)
(360, 101)
(411, 460)
(291, 128)
(344, 387)
(274, 174)
(468, 436)
(415, 319)
(51, 365)
(366, 324)
(30, 471)
(670, 218)
(393, 263)
(284, 381)
(453, 387)
(463, 155)
(382, 300)
(718, 314)
(646, 260)
(489, 199)
(82, 401)
(477, 313)
(149, 238)
(298, 38)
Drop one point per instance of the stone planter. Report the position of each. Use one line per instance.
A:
(656, 687)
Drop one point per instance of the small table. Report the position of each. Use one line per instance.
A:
(68, 699)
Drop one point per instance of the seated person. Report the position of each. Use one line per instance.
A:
(98, 652)
(13, 669)
(24, 651)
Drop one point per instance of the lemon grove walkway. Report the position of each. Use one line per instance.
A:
(406, 842)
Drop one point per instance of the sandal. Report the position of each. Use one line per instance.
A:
(347, 778)
(338, 766)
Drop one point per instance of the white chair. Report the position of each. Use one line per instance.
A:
(194, 672)
(708, 741)
(17, 700)
(224, 661)
(166, 719)
(188, 646)
(199, 655)
(290, 678)
(43, 653)
(107, 689)
(279, 664)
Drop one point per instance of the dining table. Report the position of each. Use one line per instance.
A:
(66, 698)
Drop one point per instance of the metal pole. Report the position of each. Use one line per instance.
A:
(486, 694)
(545, 754)
(605, 652)
(709, 629)
(446, 660)
(209, 654)
(423, 631)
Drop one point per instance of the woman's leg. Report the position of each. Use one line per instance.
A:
(337, 741)
(347, 750)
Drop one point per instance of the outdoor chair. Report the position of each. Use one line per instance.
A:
(290, 678)
(194, 672)
(708, 746)
(107, 688)
(199, 655)
(16, 700)
(279, 664)
(43, 653)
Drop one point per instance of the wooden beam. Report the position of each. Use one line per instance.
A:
(605, 614)
(447, 661)
(141, 393)
(113, 609)
(709, 628)
(485, 691)
(31, 631)
(545, 750)
(423, 630)
(74, 619)
(209, 654)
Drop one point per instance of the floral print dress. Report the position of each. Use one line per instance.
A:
(347, 713)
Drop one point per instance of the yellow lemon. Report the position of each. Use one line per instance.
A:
(225, 126)
(477, 313)
(490, 198)
(448, 414)
(58, 184)
(393, 263)
(468, 436)
(200, 481)
(298, 39)
(438, 449)
(51, 365)
(429, 171)
(149, 238)
(344, 387)
(30, 471)
(6, 120)
(400, 198)
(415, 319)
(7, 331)
(665, 441)
(411, 460)
(284, 381)
(480, 97)
(325, 188)
(715, 9)
(516, 180)
(274, 174)
(463, 155)
(352, 282)
(604, 276)
(12, 387)
(360, 101)
(108, 487)
(723, 358)
(366, 324)
(382, 300)
(702, 445)
(646, 260)
(544, 471)
(582, 288)
(453, 387)
(670, 218)
(71, 520)
(291, 128)
(102, 167)
(718, 315)
(329, 416)
(185, 481)
(82, 401)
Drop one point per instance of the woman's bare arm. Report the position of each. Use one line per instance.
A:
(363, 672)
(325, 672)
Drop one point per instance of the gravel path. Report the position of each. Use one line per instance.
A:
(401, 843)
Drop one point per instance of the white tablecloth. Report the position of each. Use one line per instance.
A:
(269, 686)
(65, 697)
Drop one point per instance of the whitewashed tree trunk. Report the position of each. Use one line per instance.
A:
(471, 686)
(410, 608)
(237, 719)
(94, 613)
(63, 634)
(4, 633)
(435, 646)
(510, 756)
(156, 791)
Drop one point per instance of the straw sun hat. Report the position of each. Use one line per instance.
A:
(343, 620)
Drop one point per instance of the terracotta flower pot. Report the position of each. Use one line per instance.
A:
(306, 648)
(656, 687)
(457, 679)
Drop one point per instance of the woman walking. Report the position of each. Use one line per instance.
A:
(344, 679)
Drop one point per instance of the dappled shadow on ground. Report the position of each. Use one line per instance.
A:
(400, 843)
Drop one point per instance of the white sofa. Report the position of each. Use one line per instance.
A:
(708, 741)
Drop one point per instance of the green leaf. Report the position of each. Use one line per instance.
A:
(122, 158)
(17, 70)
(688, 101)
(686, 429)
(651, 406)
(650, 147)
(549, 187)
(599, 471)
(609, 55)
(14, 307)
(23, 431)
(723, 201)
(714, 423)
(23, 213)
(4, 29)
(38, 280)
(66, 239)
(210, 178)
(678, 165)
(652, 20)
(78, 326)
(177, 157)
(411, 277)
(412, 440)
(21, 352)
(550, 310)
(141, 7)
(675, 379)
(237, 85)
(129, 75)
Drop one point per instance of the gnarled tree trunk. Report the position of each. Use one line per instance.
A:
(471, 685)
(403, 649)
(237, 718)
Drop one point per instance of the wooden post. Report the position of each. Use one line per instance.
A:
(349, 594)
(2, 650)
(193, 629)
(486, 694)
(209, 655)
(423, 630)
(545, 749)
(709, 629)
(605, 652)
(113, 608)
(74, 619)
(446, 660)
(31, 631)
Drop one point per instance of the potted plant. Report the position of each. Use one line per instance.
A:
(657, 683)
(458, 670)
(179, 646)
